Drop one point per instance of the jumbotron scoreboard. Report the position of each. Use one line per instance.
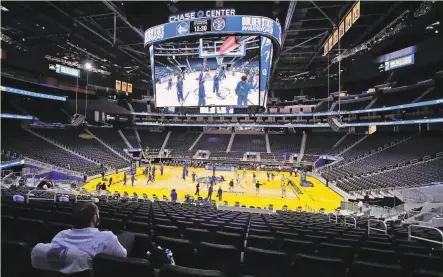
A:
(199, 58)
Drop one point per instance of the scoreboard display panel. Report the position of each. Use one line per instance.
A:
(201, 26)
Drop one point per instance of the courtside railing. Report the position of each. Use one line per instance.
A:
(384, 230)
(410, 236)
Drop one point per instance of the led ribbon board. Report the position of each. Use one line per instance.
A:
(399, 62)
(290, 125)
(33, 94)
(16, 116)
(11, 164)
(391, 108)
(66, 70)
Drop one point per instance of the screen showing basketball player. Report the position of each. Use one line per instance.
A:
(208, 71)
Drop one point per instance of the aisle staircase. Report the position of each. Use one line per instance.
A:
(195, 142)
(268, 144)
(302, 148)
(125, 139)
(352, 145)
(107, 146)
(231, 140)
(165, 142)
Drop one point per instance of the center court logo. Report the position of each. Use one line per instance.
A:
(183, 28)
(218, 24)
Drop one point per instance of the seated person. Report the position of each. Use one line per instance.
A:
(72, 250)
(103, 186)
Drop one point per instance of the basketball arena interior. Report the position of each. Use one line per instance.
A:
(224, 138)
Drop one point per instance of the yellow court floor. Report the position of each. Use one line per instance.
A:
(312, 198)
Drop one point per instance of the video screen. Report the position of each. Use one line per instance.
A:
(208, 71)
(266, 51)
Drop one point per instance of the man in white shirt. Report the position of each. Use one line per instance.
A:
(282, 178)
(283, 190)
(72, 250)
(360, 206)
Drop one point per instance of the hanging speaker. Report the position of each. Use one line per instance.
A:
(334, 123)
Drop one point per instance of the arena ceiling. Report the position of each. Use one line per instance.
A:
(110, 34)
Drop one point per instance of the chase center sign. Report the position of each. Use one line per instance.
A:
(208, 13)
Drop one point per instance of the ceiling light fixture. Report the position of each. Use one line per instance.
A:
(3, 8)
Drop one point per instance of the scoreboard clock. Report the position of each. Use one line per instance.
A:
(200, 26)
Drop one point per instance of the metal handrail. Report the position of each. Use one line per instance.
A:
(385, 230)
(410, 236)
(350, 224)
(332, 220)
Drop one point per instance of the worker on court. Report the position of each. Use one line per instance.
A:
(242, 91)
(282, 178)
(231, 185)
(193, 176)
(222, 74)
(251, 78)
(283, 190)
(197, 189)
(124, 178)
(184, 173)
(150, 178)
(254, 177)
(210, 189)
(237, 178)
(132, 179)
(180, 89)
(169, 83)
(161, 170)
(201, 93)
(257, 188)
(216, 84)
(220, 194)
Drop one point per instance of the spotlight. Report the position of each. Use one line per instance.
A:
(88, 65)
(3, 8)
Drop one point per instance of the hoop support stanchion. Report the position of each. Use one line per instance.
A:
(410, 236)
(384, 230)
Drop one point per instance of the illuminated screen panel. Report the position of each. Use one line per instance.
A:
(266, 52)
(206, 71)
(399, 62)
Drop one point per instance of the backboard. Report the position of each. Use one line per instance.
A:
(210, 48)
